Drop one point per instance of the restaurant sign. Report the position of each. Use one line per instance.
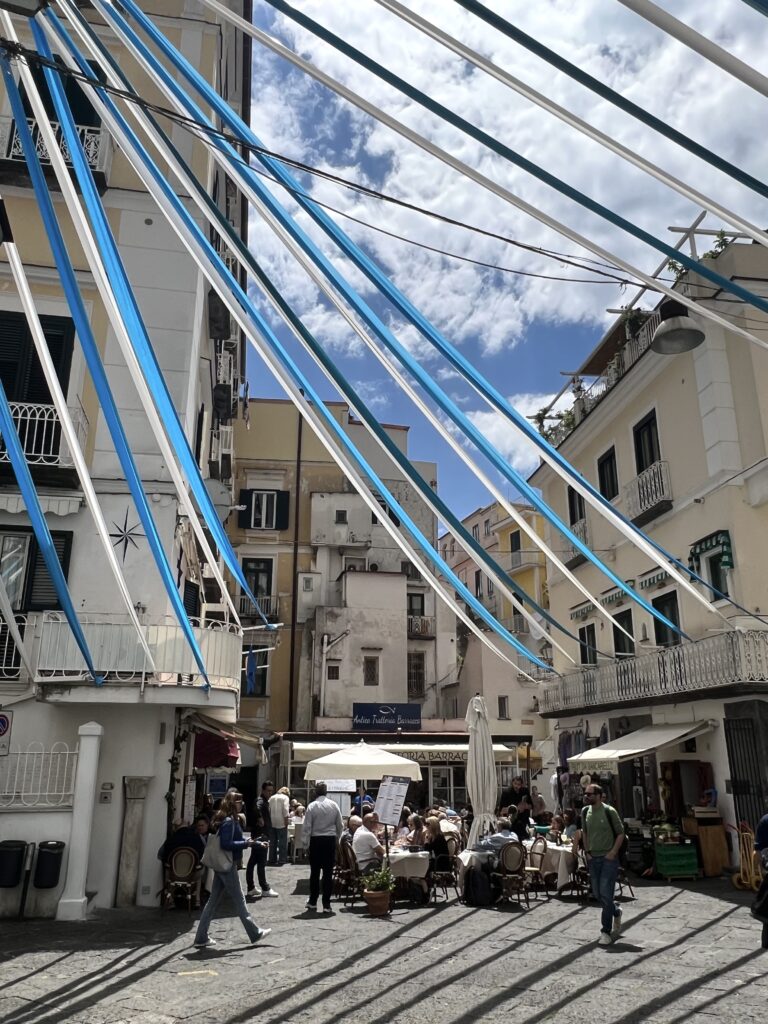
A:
(386, 716)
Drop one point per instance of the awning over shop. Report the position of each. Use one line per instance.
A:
(637, 743)
(230, 737)
(421, 752)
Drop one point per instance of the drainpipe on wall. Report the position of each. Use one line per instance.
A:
(294, 572)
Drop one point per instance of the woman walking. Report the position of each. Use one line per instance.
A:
(225, 877)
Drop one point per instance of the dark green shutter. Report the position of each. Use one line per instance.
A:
(282, 510)
(41, 593)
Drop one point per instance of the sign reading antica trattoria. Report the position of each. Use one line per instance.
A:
(386, 716)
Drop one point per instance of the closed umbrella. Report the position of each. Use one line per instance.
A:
(481, 769)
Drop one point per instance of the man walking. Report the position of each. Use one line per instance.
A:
(279, 808)
(603, 836)
(320, 833)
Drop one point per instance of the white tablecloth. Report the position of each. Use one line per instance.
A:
(558, 860)
(473, 859)
(407, 864)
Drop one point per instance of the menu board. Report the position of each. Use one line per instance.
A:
(391, 798)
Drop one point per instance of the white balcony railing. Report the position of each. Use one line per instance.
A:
(269, 606)
(587, 399)
(38, 777)
(716, 661)
(421, 625)
(515, 624)
(649, 490)
(40, 433)
(97, 143)
(118, 655)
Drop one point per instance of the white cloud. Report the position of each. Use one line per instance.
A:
(506, 437)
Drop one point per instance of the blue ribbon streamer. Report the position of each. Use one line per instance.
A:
(382, 332)
(40, 526)
(235, 242)
(93, 359)
(344, 443)
(138, 333)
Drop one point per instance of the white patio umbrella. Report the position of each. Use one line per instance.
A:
(481, 769)
(361, 761)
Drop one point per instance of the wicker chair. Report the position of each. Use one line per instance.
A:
(183, 876)
(534, 868)
(349, 879)
(511, 876)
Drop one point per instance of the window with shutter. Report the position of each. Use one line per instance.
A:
(191, 598)
(20, 369)
(41, 593)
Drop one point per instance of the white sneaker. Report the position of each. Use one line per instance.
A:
(253, 894)
(617, 925)
(310, 906)
(206, 944)
(605, 939)
(263, 933)
(269, 892)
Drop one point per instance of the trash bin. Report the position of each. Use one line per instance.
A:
(12, 853)
(48, 867)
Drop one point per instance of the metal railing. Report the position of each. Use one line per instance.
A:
(735, 657)
(421, 625)
(40, 433)
(10, 662)
(269, 606)
(96, 142)
(579, 529)
(636, 346)
(649, 489)
(37, 777)
(118, 655)
(515, 624)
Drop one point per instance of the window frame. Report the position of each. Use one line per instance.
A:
(659, 629)
(256, 695)
(576, 508)
(476, 531)
(608, 458)
(341, 517)
(416, 658)
(478, 583)
(621, 645)
(371, 659)
(712, 556)
(650, 420)
(587, 644)
(486, 527)
(256, 493)
(503, 707)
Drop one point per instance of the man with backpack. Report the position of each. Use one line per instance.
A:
(603, 839)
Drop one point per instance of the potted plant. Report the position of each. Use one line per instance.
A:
(377, 889)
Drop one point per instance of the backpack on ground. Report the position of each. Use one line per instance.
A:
(477, 888)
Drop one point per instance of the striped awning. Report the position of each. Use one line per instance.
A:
(719, 539)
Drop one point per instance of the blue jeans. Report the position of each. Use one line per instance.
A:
(225, 881)
(603, 874)
(278, 845)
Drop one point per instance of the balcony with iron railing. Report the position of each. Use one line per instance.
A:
(727, 662)
(585, 399)
(119, 656)
(41, 436)
(269, 605)
(515, 624)
(649, 495)
(421, 625)
(97, 144)
(573, 556)
(511, 561)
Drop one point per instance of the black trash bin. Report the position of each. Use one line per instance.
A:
(12, 853)
(48, 867)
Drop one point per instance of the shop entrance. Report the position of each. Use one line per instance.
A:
(744, 761)
(448, 785)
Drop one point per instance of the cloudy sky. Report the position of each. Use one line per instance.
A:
(520, 332)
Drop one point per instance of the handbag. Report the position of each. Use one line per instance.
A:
(216, 858)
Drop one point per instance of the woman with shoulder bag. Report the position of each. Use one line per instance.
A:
(223, 854)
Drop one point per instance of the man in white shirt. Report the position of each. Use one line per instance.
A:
(366, 847)
(320, 833)
(279, 807)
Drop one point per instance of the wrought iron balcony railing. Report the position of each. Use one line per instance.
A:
(39, 431)
(716, 661)
(269, 606)
(96, 142)
(421, 625)
(649, 494)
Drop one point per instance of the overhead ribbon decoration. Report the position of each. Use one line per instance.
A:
(297, 386)
(217, 220)
(90, 348)
(238, 171)
(45, 543)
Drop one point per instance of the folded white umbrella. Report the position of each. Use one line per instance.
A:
(361, 761)
(482, 785)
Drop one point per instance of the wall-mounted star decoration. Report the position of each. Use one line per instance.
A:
(125, 535)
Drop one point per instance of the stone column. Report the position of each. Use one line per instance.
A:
(135, 791)
(73, 903)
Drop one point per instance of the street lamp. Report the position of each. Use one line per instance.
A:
(26, 8)
(677, 332)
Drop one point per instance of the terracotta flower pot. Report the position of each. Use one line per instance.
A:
(378, 902)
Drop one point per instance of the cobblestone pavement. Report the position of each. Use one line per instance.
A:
(689, 953)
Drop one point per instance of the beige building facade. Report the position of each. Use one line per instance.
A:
(679, 444)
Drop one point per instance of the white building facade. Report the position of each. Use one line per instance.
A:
(86, 765)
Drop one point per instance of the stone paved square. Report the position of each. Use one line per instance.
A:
(689, 953)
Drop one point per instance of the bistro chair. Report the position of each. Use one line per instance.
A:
(350, 879)
(622, 880)
(182, 878)
(534, 868)
(297, 846)
(448, 876)
(511, 876)
(579, 883)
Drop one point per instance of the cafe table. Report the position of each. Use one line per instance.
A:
(558, 860)
(408, 863)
